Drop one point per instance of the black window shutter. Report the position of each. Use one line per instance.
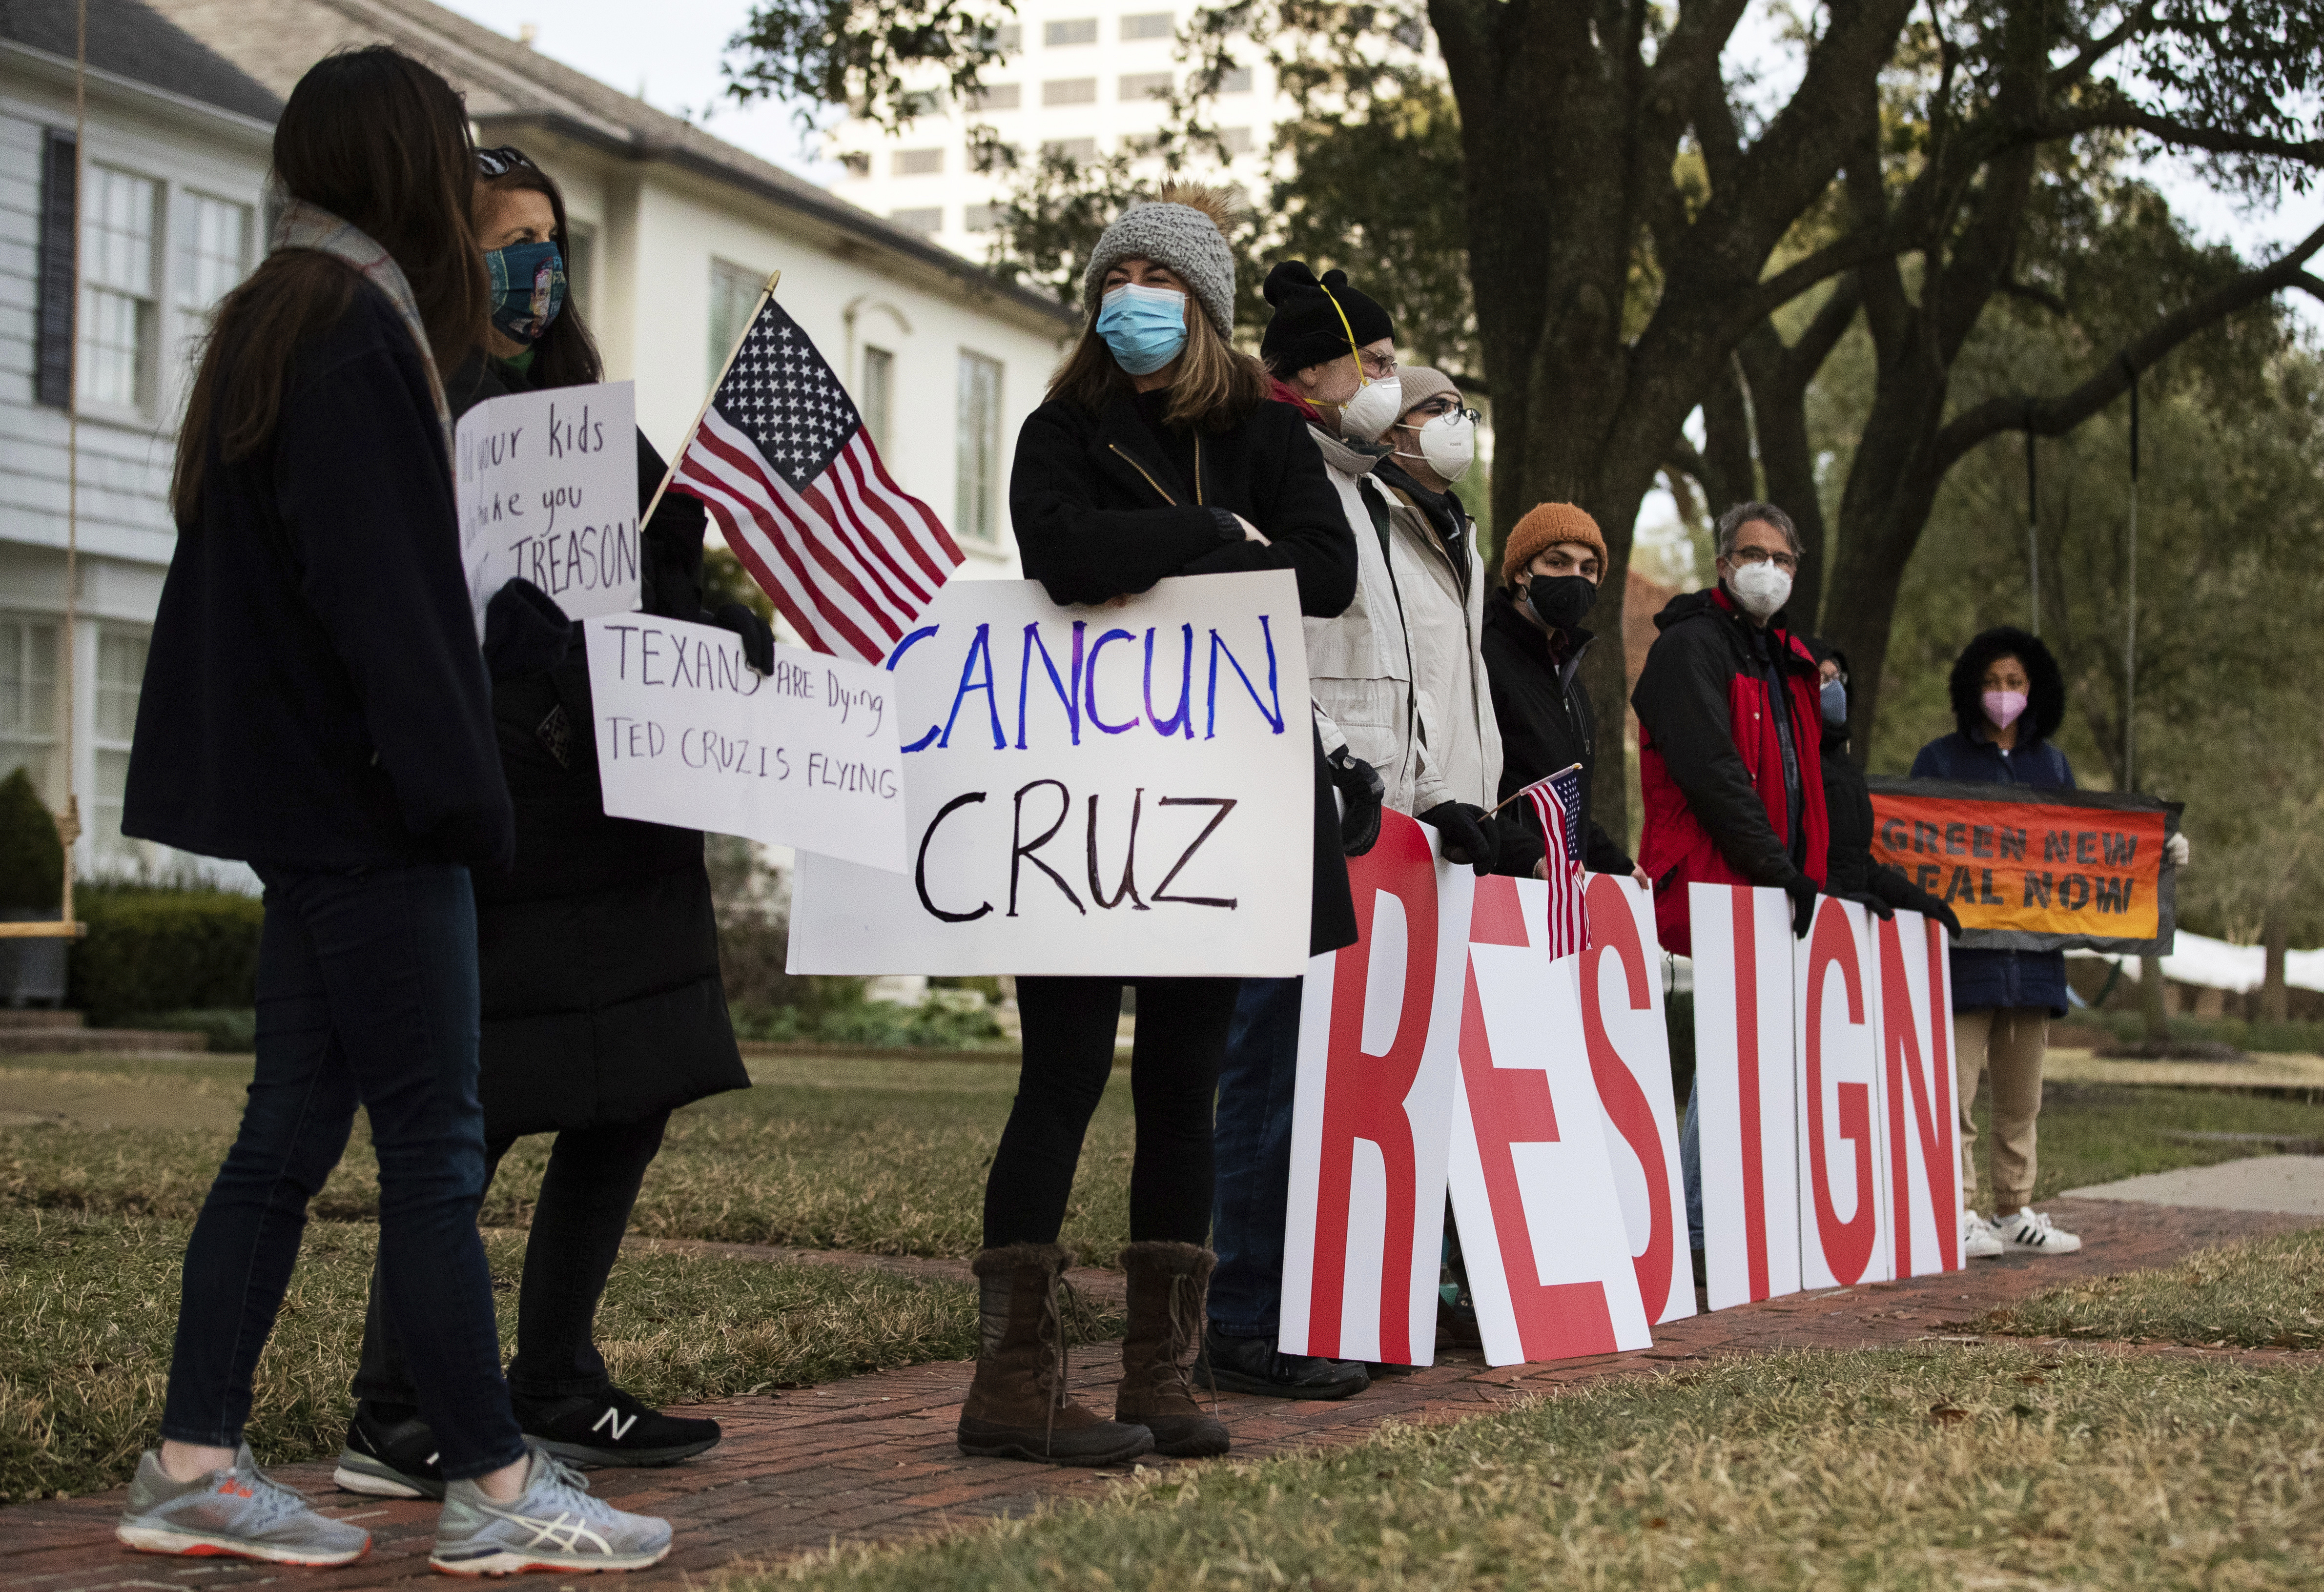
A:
(52, 365)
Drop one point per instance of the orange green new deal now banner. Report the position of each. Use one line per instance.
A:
(2030, 869)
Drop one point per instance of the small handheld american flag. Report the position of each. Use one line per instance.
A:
(1557, 805)
(780, 457)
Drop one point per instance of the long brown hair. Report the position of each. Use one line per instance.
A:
(566, 354)
(1216, 387)
(381, 141)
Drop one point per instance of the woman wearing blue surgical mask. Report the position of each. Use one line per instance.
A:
(598, 949)
(1156, 454)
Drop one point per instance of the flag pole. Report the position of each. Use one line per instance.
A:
(1513, 795)
(774, 279)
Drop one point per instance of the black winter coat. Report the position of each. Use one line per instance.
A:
(1850, 869)
(599, 950)
(1547, 721)
(1101, 512)
(313, 696)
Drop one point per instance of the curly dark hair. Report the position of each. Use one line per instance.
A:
(2046, 707)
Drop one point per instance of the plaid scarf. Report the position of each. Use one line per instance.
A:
(310, 226)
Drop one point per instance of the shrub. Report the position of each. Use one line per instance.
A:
(165, 950)
(231, 1030)
(31, 857)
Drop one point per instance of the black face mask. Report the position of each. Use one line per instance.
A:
(1559, 601)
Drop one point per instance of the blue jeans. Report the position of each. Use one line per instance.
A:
(368, 995)
(1252, 1137)
(1690, 1167)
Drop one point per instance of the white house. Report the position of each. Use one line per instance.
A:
(674, 232)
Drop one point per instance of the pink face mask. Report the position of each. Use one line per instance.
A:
(2003, 707)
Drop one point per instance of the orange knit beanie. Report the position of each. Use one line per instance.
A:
(1545, 526)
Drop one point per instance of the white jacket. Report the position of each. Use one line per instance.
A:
(1408, 618)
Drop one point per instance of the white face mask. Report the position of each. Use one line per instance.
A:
(1373, 410)
(1761, 588)
(1448, 443)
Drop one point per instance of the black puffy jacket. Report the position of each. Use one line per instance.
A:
(1547, 721)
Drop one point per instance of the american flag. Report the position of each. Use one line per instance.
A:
(1557, 805)
(783, 462)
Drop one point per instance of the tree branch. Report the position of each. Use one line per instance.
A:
(2123, 116)
(2054, 416)
(2034, 295)
(2097, 49)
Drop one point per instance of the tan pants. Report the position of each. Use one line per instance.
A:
(2005, 1043)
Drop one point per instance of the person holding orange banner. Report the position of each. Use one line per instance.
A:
(2008, 697)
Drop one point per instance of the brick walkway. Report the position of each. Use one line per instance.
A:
(872, 1458)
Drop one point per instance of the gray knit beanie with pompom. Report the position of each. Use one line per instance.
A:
(1184, 228)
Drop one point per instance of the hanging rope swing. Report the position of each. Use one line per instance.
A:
(66, 927)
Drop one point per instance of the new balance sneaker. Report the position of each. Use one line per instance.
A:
(235, 1513)
(555, 1525)
(389, 1454)
(1978, 1239)
(2031, 1231)
(610, 1428)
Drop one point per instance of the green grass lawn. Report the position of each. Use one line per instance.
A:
(2095, 1133)
(88, 1305)
(2257, 1294)
(1892, 1469)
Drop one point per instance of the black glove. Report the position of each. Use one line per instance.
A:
(1928, 906)
(525, 631)
(1519, 846)
(1871, 904)
(1463, 838)
(758, 636)
(1801, 890)
(1362, 792)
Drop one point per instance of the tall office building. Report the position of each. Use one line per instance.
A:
(1079, 75)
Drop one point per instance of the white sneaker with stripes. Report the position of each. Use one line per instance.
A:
(2034, 1233)
(555, 1525)
(1978, 1239)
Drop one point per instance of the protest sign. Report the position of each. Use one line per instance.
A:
(1127, 790)
(1624, 1026)
(1844, 1237)
(1745, 1100)
(688, 735)
(1542, 1229)
(548, 489)
(1919, 1080)
(1372, 1114)
(2027, 869)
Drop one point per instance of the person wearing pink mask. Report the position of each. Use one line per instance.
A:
(2008, 697)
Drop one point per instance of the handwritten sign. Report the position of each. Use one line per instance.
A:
(1117, 790)
(547, 488)
(687, 734)
(2034, 870)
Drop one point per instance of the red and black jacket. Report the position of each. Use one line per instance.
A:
(1710, 760)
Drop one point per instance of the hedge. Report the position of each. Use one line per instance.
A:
(164, 950)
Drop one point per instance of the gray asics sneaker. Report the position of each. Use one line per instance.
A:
(555, 1525)
(237, 1514)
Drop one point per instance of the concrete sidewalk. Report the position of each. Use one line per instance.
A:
(872, 1458)
(2291, 1185)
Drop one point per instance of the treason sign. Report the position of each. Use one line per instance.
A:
(1121, 790)
(2034, 870)
(548, 490)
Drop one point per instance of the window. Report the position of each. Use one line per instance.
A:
(120, 678)
(1137, 85)
(117, 298)
(997, 97)
(1235, 140)
(28, 699)
(581, 266)
(858, 163)
(1081, 150)
(1069, 91)
(734, 295)
(1081, 31)
(918, 162)
(976, 510)
(1147, 24)
(1008, 38)
(924, 102)
(53, 363)
(1236, 81)
(877, 397)
(925, 221)
(980, 217)
(213, 250)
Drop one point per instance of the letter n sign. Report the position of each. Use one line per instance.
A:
(1916, 1047)
(1372, 1123)
(1844, 1237)
(1744, 1073)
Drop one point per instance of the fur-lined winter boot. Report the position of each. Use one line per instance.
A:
(1017, 1407)
(1170, 1285)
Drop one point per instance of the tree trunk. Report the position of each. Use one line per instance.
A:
(2275, 934)
(2154, 1000)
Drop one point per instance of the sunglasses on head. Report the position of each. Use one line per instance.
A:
(501, 161)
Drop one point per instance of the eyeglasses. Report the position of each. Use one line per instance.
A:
(1379, 366)
(501, 161)
(1436, 409)
(1749, 558)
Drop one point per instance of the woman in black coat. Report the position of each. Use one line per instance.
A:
(1156, 454)
(598, 950)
